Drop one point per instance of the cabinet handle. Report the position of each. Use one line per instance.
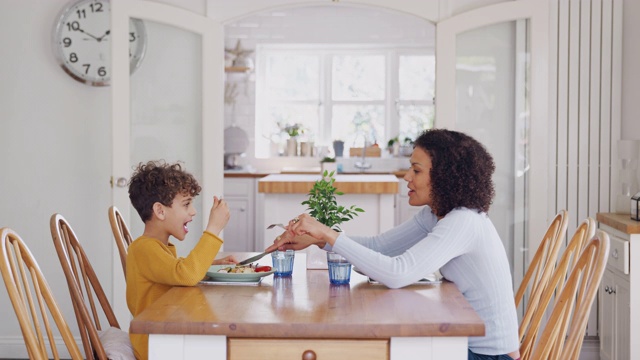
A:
(309, 355)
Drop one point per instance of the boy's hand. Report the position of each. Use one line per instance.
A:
(218, 217)
(225, 260)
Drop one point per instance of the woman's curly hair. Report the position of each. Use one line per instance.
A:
(157, 181)
(461, 170)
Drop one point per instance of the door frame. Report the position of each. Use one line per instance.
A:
(211, 34)
(538, 206)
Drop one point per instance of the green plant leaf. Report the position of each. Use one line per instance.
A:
(323, 206)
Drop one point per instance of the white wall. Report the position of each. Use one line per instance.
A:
(55, 136)
(55, 145)
(630, 71)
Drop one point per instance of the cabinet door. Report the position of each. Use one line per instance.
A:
(622, 318)
(238, 234)
(607, 316)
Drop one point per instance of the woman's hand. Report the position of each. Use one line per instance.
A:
(225, 260)
(302, 232)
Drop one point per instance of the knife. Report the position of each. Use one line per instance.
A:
(254, 258)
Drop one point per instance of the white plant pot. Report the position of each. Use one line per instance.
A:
(292, 147)
(316, 258)
(329, 166)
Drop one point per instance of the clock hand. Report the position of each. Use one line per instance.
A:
(84, 32)
(105, 34)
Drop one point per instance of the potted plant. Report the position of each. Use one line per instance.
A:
(293, 131)
(393, 146)
(328, 164)
(323, 206)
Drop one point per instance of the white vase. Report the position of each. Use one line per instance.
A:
(329, 166)
(292, 147)
(316, 258)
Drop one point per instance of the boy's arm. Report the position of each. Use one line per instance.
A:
(162, 267)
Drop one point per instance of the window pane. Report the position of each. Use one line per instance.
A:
(358, 77)
(414, 120)
(352, 123)
(292, 77)
(417, 77)
(285, 115)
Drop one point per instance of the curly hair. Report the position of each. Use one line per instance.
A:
(461, 170)
(157, 181)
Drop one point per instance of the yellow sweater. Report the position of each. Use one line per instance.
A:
(153, 268)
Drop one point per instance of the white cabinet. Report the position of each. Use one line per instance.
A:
(617, 321)
(404, 211)
(239, 234)
(614, 316)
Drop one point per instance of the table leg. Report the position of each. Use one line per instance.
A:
(429, 348)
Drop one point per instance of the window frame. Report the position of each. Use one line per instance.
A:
(391, 101)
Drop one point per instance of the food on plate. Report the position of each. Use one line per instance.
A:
(244, 269)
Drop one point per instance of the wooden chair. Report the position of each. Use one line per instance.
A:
(543, 263)
(121, 234)
(32, 300)
(85, 289)
(564, 332)
(533, 318)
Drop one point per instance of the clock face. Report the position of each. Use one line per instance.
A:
(82, 41)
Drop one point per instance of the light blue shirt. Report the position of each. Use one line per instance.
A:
(465, 247)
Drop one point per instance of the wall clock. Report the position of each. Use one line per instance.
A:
(82, 41)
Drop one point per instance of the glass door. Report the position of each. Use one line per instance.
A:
(167, 110)
(490, 83)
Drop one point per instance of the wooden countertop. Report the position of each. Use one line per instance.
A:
(620, 222)
(348, 184)
(305, 305)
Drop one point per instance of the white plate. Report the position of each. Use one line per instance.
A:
(214, 275)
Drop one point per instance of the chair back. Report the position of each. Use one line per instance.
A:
(543, 263)
(564, 332)
(121, 234)
(533, 318)
(33, 301)
(86, 292)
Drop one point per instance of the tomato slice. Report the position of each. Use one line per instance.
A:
(263, 268)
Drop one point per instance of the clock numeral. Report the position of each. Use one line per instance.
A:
(67, 42)
(102, 71)
(73, 57)
(97, 7)
(73, 26)
(81, 14)
(132, 36)
(86, 68)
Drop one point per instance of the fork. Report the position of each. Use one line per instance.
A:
(274, 225)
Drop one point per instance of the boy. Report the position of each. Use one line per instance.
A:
(162, 194)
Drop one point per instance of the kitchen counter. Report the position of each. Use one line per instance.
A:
(281, 197)
(621, 222)
(348, 184)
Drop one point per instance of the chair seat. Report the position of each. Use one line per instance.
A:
(117, 344)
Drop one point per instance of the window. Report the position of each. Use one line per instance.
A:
(369, 95)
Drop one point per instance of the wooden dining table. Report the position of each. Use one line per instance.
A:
(305, 317)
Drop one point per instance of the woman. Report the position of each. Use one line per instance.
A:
(450, 175)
